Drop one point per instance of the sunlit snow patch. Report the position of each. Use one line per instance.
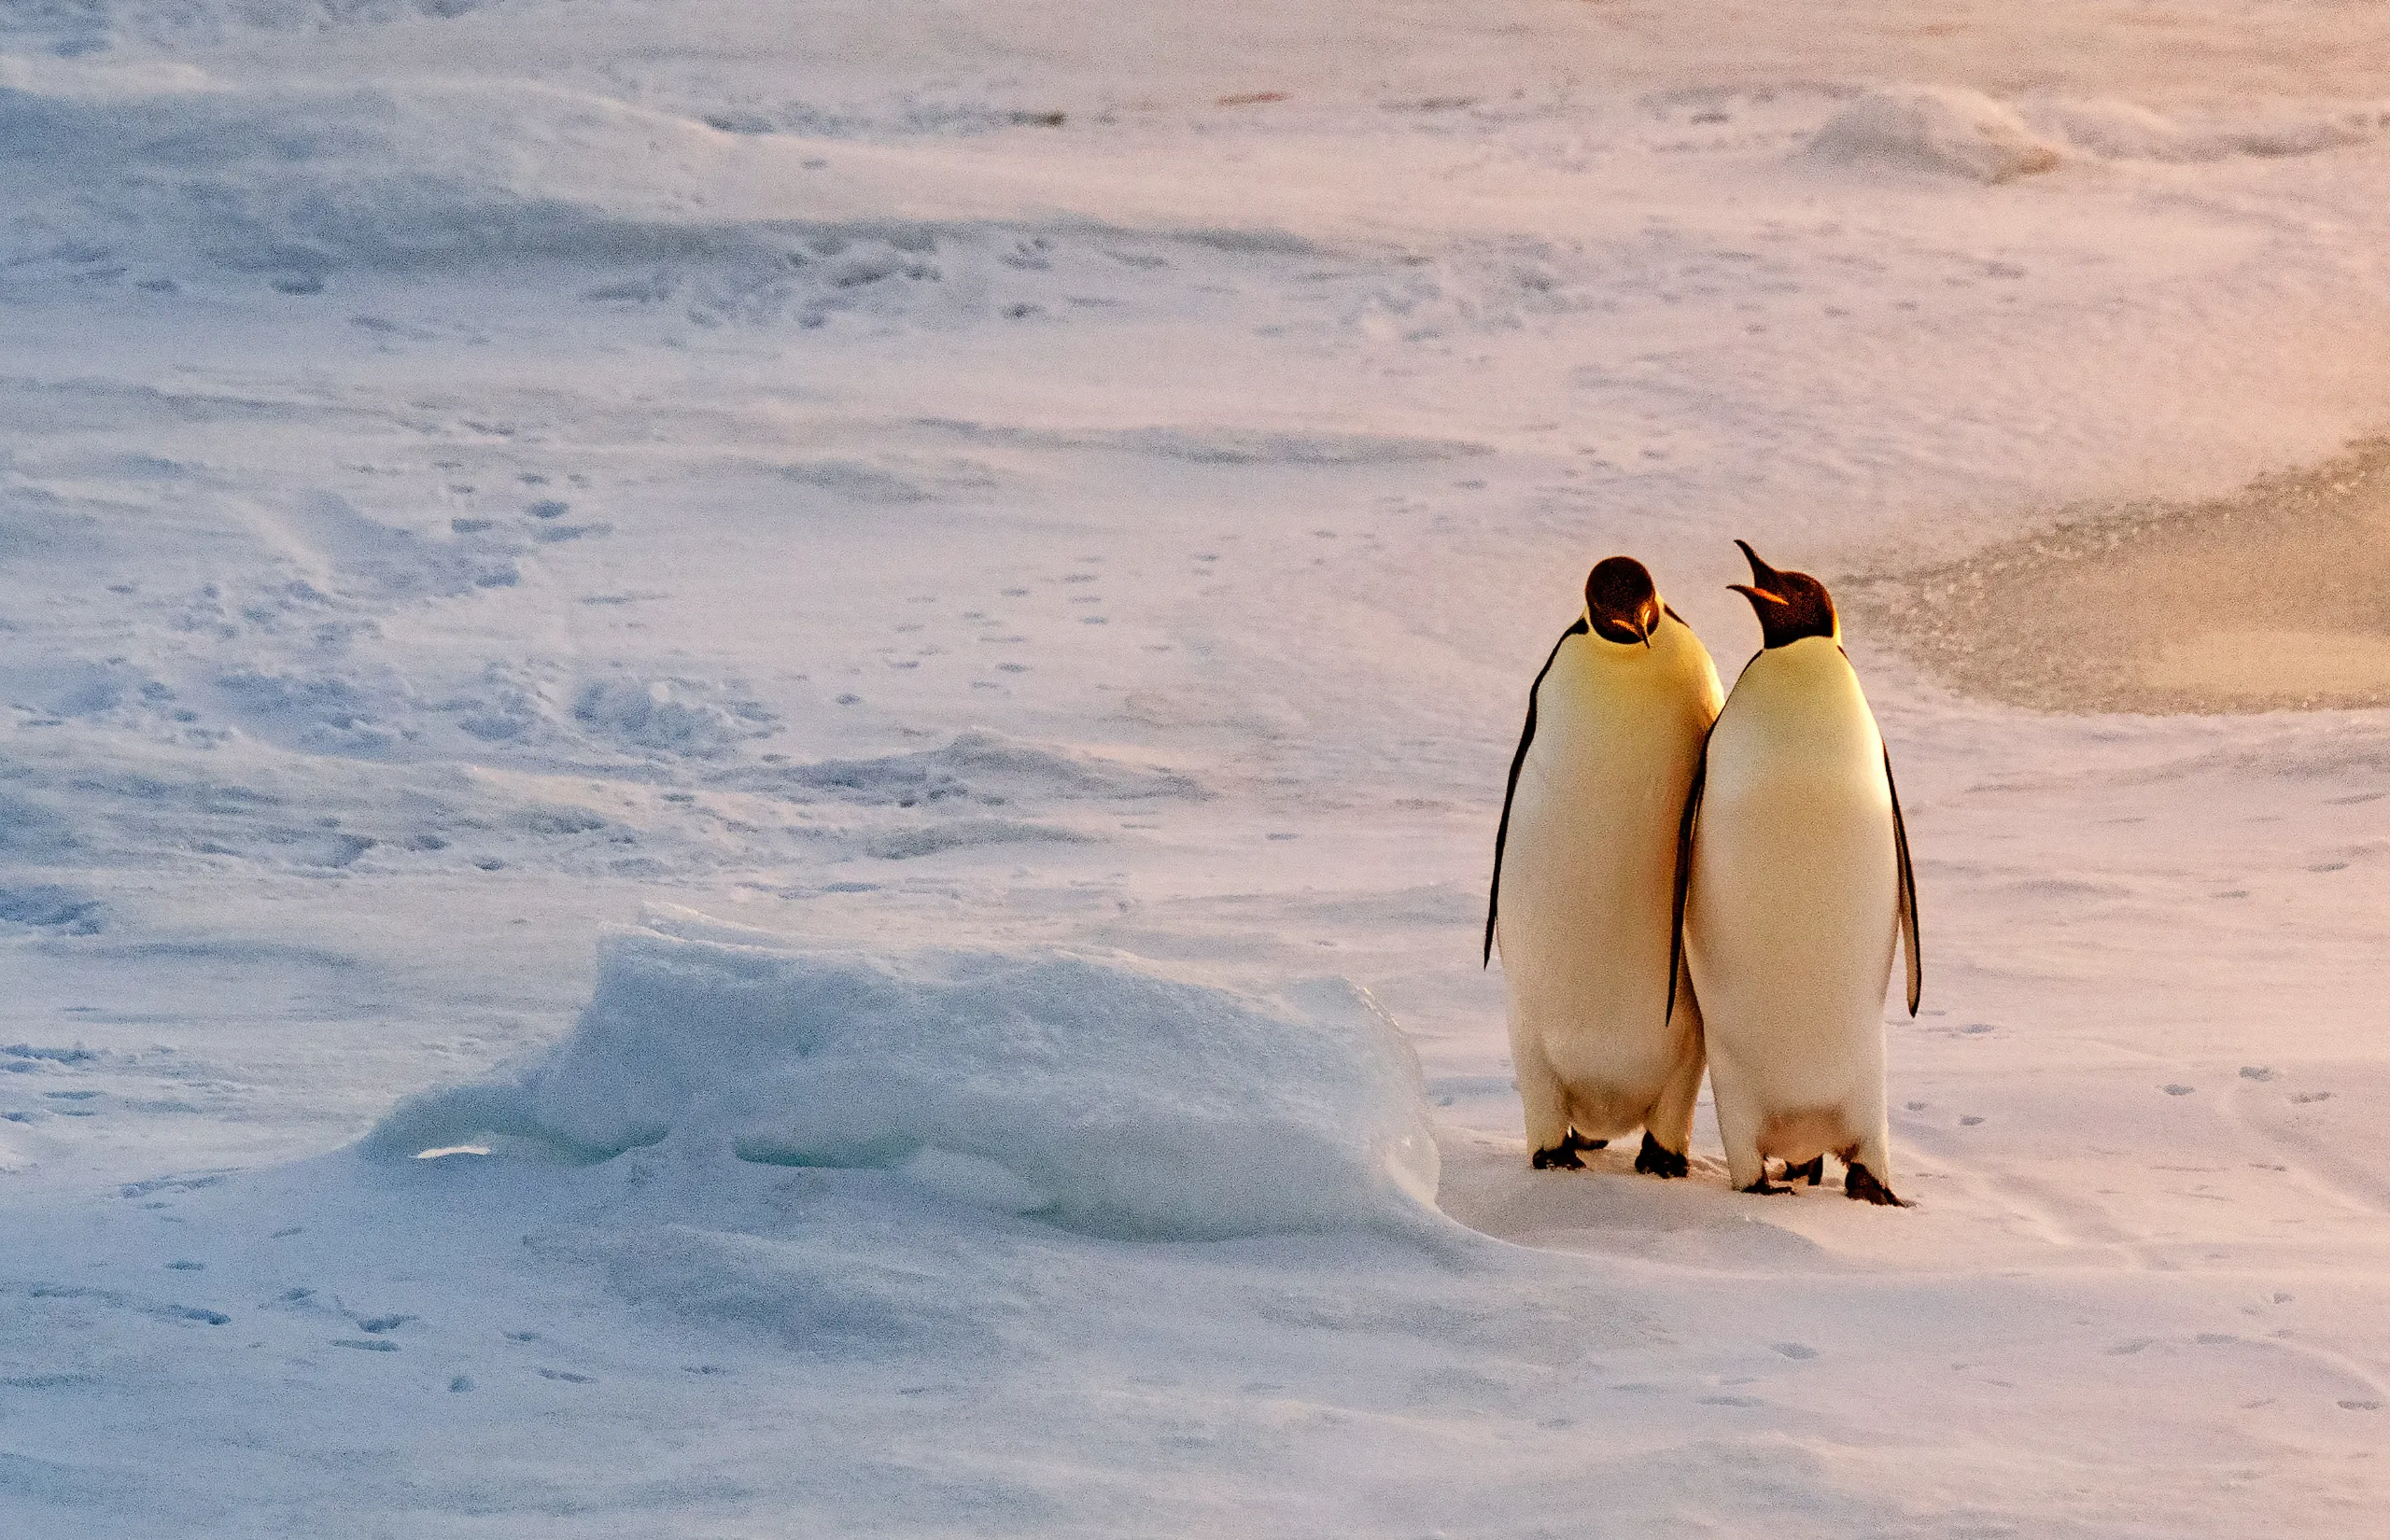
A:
(1088, 1090)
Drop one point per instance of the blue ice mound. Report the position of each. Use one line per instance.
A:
(1089, 1090)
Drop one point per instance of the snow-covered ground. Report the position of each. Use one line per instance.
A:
(875, 643)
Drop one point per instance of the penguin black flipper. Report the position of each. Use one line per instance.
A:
(1908, 893)
(1684, 871)
(1518, 759)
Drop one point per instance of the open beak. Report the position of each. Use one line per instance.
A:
(1761, 574)
(1755, 595)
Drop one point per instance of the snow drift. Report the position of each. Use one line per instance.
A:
(1942, 129)
(1089, 1091)
(2126, 131)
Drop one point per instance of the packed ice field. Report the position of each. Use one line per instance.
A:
(751, 751)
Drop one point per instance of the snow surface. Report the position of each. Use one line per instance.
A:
(954, 582)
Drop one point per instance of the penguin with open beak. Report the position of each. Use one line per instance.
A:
(1795, 890)
(1582, 905)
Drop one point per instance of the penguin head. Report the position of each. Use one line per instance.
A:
(1620, 604)
(1790, 605)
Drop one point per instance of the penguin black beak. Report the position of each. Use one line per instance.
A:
(1767, 577)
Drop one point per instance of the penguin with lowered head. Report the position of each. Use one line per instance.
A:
(1585, 877)
(1794, 887)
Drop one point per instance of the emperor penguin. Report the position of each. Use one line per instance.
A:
(1585, 878)
(1795, 884)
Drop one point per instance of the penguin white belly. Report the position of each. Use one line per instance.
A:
(1585, 919)
(1793, 914)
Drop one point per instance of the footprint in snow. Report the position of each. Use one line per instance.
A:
(1796, 1349)
(565, 1375)
(2178, 1090)
(376, 1325)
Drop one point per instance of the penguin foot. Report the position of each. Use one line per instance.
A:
(1768, 1189)
(1657, 1159)
(1560, 1158)
(1858, 1181)
(1579, 1142)
(1813, 1172)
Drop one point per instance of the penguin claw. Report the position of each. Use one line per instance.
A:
(1860, 1183)
(1657, 1159)
(1576, 1141)
(1765, 1188)
(1559, 1158)
(1813, 1171)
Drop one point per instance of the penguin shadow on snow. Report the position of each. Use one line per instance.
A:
(1608, 1208)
